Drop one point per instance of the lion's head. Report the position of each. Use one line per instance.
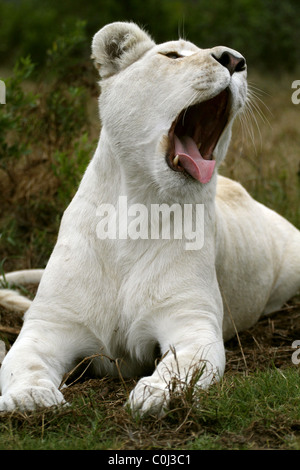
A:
(167, 109)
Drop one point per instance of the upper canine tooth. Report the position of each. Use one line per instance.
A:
(176, 160)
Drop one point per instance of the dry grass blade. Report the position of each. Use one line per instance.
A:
(236, 332)
(10, 330)
(89, 360)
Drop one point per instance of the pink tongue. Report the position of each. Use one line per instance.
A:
(191, 159)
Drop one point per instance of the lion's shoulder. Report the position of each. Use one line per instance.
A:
(231, 192)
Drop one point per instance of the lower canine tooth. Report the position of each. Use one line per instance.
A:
(176, 160)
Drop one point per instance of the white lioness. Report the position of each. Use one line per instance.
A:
(167, 112)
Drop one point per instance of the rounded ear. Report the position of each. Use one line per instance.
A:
(118, 45)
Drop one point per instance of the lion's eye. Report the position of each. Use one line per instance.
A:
(172, 55)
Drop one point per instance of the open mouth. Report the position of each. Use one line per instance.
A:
(194, 135)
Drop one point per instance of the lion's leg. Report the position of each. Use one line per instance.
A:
(195, 356)
(33, 368)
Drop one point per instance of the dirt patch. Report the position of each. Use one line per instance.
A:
(266, 344)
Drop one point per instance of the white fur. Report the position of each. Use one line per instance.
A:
(122, 298)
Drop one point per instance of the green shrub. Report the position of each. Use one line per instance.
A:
(44, 148)
(267, 32)
(17, 117)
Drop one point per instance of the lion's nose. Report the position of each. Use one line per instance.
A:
(231, 62)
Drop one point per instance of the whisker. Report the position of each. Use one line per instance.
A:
(181, 35)
(253, 113)
(258, 90)
(246, 117)
(257, 101)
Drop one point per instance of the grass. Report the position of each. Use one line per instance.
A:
(252, 412)
(241, 412)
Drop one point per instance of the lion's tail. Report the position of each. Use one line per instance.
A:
(12, 299)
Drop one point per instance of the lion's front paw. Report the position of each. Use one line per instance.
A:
(149, 396)
(31, 398)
